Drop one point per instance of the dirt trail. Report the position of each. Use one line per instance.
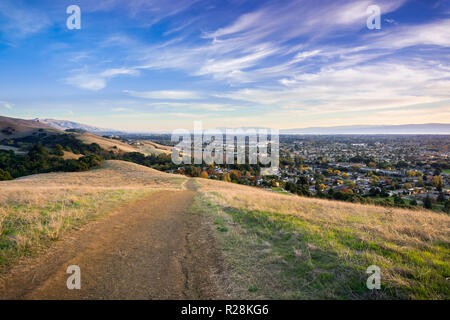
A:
(153, 248)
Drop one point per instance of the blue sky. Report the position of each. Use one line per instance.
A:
(157, 64)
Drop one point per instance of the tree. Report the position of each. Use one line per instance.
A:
(303, 191)
(447, 207)
(58, 151)
(302, 180)
(398, 201)
(427, 203)
(5, 175)
(413, 202)
(8, 131)
(291, 187)
(235, 175)
(204, 175)
(440, 197)
(437, 181)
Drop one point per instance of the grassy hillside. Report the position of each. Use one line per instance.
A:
(285, 246)
(116, 146)
(16, 128)
(38, 209)
(149, 147)
(273, 245)
(105, 143)
(32, 132)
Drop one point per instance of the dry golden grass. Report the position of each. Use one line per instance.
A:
(22, 127)
(105, 143)
(411, 246)
(70, 155)
(404, 227)
(114, 174)
(149, 147)
(38, 209)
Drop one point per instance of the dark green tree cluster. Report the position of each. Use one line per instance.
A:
(39, 160)
(161, 162)
(299, 188)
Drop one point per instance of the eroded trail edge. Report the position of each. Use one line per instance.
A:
(153, 248)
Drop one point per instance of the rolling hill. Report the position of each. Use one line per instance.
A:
(145, 147)
(269, 245)
(12, 128)
(38, 209)
(15, 128)
(280, 246)
(66, 124)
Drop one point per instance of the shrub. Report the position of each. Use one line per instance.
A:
(5, 175)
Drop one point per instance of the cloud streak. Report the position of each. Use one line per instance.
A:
(6, 104)
(282, 61)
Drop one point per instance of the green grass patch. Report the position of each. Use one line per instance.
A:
(286, 257)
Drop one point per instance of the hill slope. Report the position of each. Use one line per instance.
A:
(272, 245)
(14, 128)
(38, 209)
(290, 247)
(144, 146)
(65, 124)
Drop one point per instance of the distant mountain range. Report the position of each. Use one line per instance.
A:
(427, 128)
(65, 124)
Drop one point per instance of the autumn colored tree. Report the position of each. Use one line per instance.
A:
(437, 181)
(235, 175)
(226, 177)
(204, 175)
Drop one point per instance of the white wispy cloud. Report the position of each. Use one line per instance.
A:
(120, 109)
(6, 104)
(18, 20)
(205, 106)
(165, 94)
(331, 90)
(87, 81)
(303, 58)
(255, 46)
(97, 81)
(118, 71)
(434, 33)
(153, 11)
